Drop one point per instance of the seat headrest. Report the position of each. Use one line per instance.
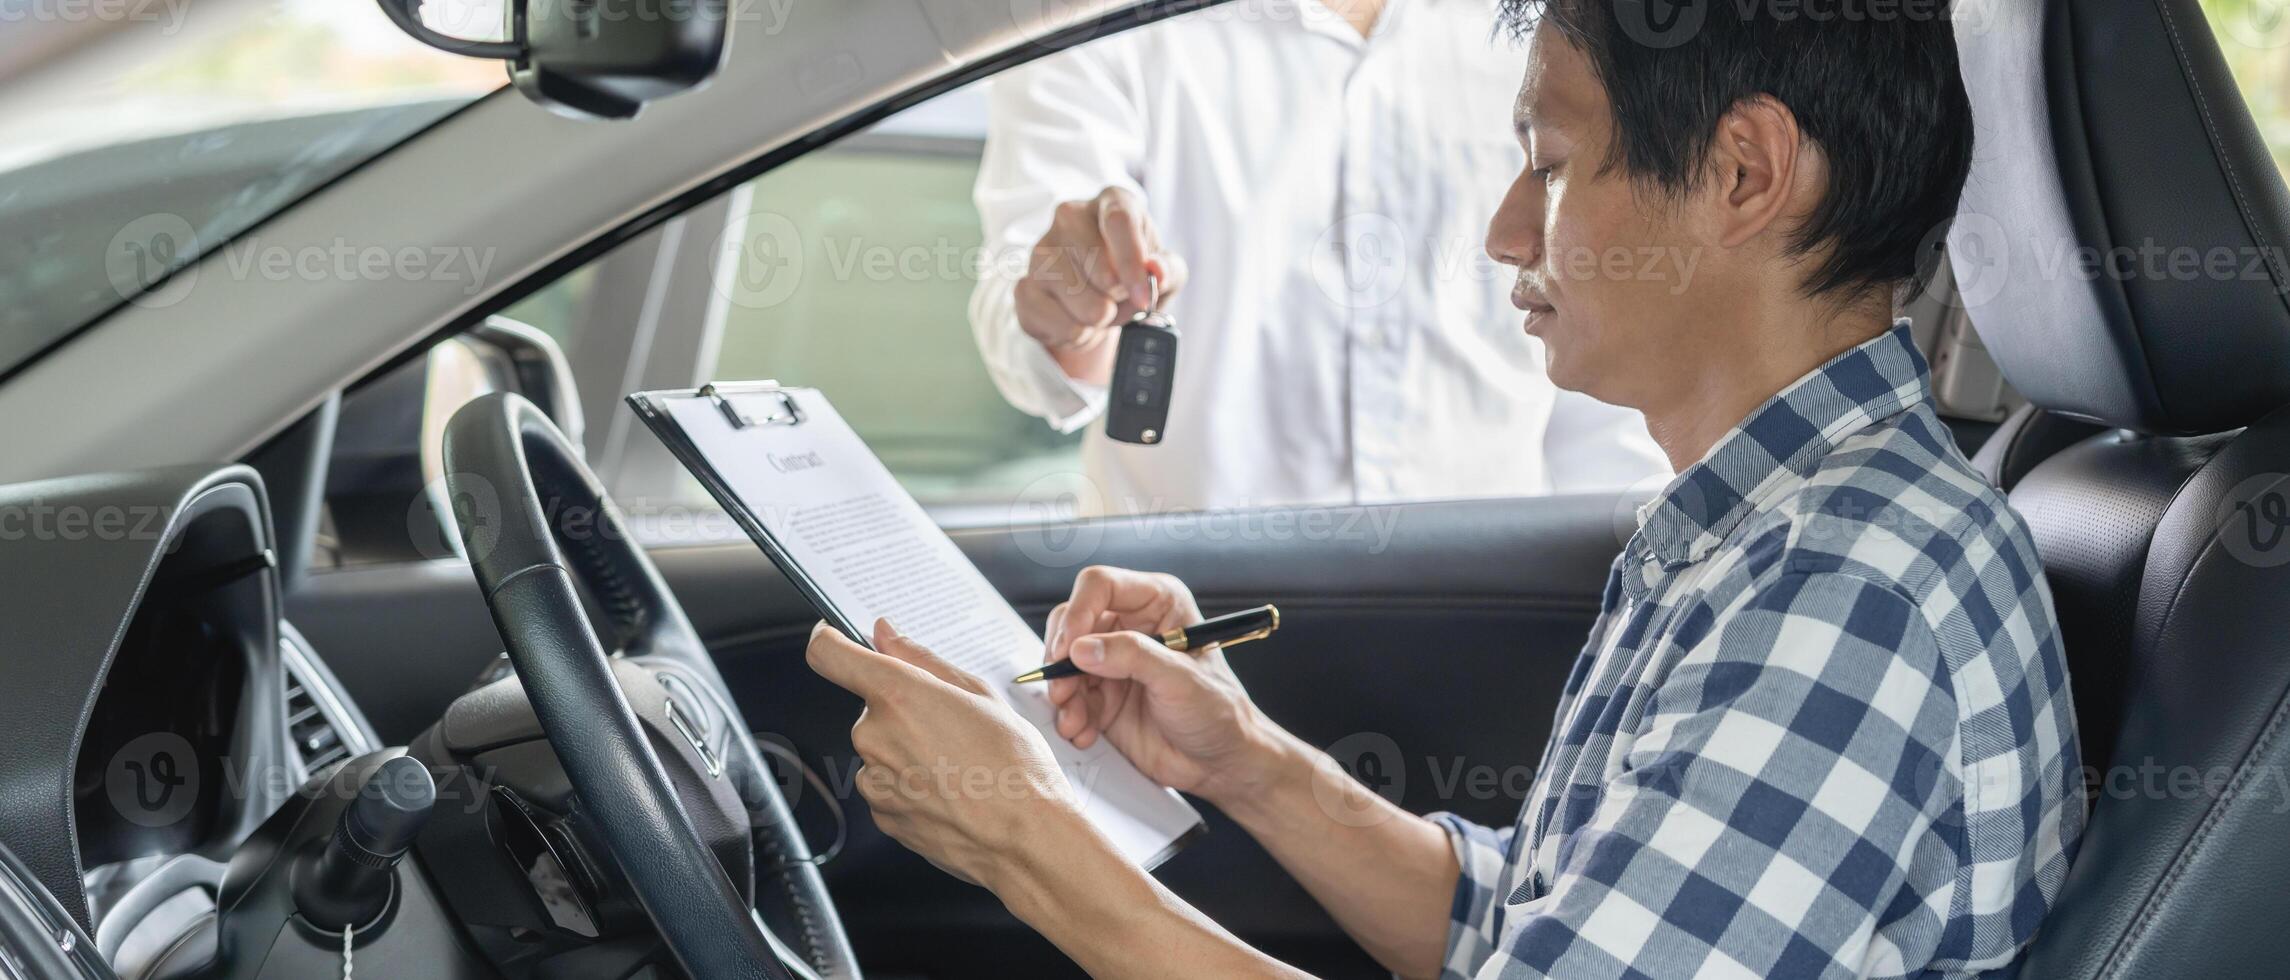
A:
(2121, 245)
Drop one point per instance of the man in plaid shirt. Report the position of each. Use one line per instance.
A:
(1822, 727)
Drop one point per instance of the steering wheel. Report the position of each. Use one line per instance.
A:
(37, 937)
(532, 505)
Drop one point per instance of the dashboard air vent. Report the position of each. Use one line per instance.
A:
(315, 736)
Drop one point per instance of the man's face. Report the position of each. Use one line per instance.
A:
(1606, 278)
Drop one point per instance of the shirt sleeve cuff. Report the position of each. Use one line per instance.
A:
(1024, 371)
(1481, 852)
(1067, 404)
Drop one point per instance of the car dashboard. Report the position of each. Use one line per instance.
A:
(161, 706)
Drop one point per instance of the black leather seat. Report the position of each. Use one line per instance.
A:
(2111, 129)
(2024, 438)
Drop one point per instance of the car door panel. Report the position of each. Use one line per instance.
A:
(1424, 644)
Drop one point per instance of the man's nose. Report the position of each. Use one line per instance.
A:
(1515, 233)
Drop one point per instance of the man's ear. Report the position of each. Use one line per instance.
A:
(1759, 154)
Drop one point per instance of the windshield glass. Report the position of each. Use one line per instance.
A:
(153, 137)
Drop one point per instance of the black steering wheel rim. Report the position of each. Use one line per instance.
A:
(506, 465)
(37, 935)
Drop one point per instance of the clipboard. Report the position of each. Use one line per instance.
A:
(846, 511)
(777, 408)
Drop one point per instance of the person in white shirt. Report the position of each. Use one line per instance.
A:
(1309, 187)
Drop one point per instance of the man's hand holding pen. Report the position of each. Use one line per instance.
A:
(1181, 717)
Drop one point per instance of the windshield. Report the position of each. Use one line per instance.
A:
(164, 132)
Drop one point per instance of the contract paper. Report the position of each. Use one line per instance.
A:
(836, 511)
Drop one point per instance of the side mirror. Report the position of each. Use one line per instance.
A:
(384, 493)
(601, 59)
(499, 354)
(523, 358)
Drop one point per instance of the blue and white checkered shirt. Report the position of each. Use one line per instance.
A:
(1821, 729)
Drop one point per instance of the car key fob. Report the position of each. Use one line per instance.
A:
(1144, 373)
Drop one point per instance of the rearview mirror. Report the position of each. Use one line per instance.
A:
(601, 59)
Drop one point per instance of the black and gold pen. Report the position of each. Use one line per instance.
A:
(1230, 629)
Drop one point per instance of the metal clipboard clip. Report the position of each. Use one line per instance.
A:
(786, 412)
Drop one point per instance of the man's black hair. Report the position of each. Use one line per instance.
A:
(1874, 85)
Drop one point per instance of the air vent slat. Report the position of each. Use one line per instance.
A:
(315, 737)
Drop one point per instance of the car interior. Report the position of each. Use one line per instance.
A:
(236, 591)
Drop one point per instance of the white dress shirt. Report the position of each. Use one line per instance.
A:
(1345, 338)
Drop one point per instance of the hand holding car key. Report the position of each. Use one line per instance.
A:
(1098, 258)
(1144, 370)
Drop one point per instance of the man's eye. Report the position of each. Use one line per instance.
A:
(1541, 173)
